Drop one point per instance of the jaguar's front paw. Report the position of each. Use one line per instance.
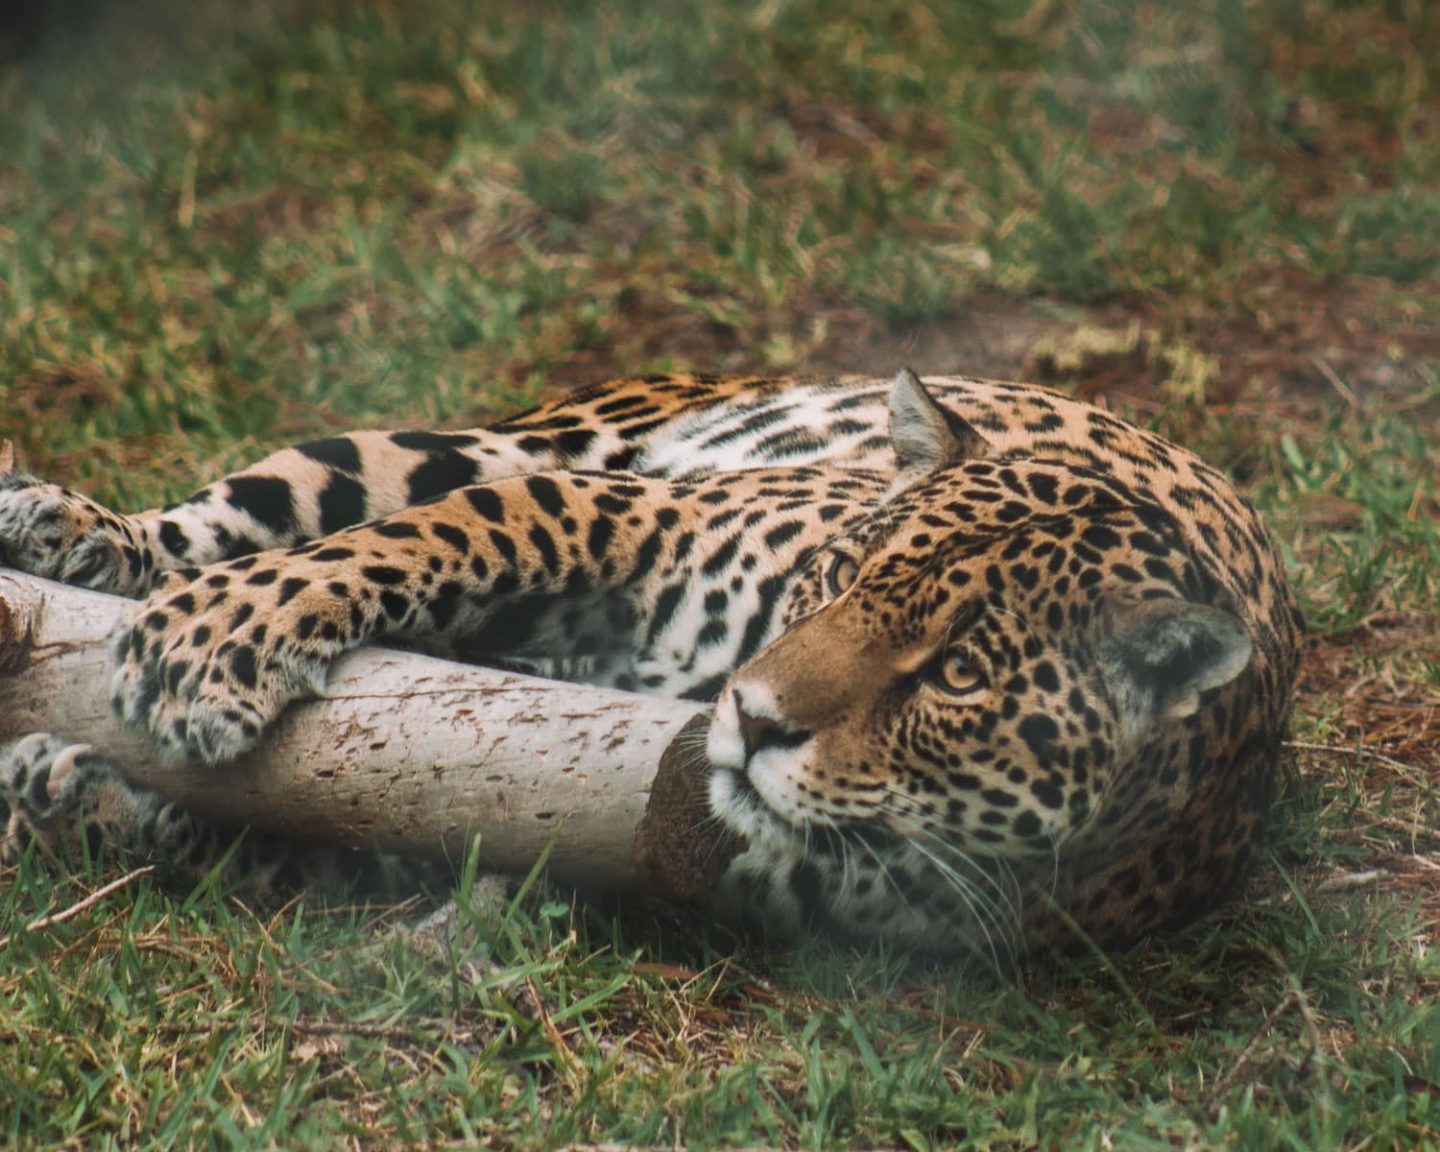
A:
(203, 670)
(68, 799)
(49, 531)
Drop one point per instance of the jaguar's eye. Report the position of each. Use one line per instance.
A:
(843, 571)
(957, 674)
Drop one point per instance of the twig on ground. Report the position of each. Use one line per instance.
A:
(1360, 753)
(39, 925)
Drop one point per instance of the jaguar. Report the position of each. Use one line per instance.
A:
(990, 666)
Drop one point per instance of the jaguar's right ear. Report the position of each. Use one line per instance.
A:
(1159, 658)
(925, 435)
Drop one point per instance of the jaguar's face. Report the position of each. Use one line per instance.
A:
(972, 678)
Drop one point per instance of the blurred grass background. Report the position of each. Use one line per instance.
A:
(223, 229)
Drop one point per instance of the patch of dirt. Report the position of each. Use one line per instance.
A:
(1380, 719)
(1368, 686)
(1307, 348)
(993, 337)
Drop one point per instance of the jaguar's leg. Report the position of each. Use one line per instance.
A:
(205, 665)
(314, 489)
(73, 804)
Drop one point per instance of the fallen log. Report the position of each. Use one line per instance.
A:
(405, 753)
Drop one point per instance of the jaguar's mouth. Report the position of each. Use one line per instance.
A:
(743, 790)
(742, 808)
(736, 800)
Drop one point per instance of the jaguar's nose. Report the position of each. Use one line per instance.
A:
(761, 730)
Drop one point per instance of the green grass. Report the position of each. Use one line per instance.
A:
(220, 233)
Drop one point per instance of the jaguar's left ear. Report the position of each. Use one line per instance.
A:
(925, 435)
(1158, 656)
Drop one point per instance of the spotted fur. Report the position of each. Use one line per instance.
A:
(991, 665)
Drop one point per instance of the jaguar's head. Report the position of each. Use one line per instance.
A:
(1012, 657)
